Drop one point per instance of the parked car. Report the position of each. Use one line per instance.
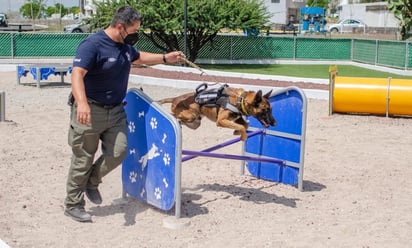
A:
(79, 27)
(346, 25)
(3, 20)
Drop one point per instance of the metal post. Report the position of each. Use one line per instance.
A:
(406, 56)
(376, 52)
(2, 106)
(38, 76)
(185, 28)
(17, 74)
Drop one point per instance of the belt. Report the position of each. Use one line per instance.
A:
(102, 105)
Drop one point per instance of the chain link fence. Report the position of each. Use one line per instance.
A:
(394, 54)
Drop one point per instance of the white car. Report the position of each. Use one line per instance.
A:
(79, 27)
(347, 26)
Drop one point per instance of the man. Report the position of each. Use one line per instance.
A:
(99, 84)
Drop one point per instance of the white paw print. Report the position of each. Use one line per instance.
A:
(166, 159)
(132, 127)
(133, 176)
(158, 193)
(153, 123)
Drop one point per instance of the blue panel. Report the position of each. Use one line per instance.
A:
(280, 147)
(148, 171)
(21, 71)
(287, 108)
(312, 11)
(267, 171)
(45, 72)
(290, 175)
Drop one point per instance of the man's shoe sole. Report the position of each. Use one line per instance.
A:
(77, 218)
(95, 201)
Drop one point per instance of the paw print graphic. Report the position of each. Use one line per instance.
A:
(166, 159)
(133, 176)
(132, 127)
(165, 182)
(142, 192)
(158, 193)
(153, 123)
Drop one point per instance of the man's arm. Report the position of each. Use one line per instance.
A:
(79, 94)
(147, 58)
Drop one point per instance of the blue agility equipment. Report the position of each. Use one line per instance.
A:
(285, 141)
(312, 20)
(154, 145)
(151, 172)
(42, 72)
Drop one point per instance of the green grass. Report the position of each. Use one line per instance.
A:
(306, 71)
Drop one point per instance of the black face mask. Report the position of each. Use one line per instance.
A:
(131, 39)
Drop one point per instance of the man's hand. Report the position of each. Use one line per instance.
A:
(83, 114)
(175, 57)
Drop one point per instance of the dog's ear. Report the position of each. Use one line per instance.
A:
(267, 95)
(258, 98)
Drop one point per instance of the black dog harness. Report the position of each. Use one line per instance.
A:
(218, 98)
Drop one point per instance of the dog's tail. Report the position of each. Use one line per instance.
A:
(165, 100)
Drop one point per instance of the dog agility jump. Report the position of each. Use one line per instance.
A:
(151, 172)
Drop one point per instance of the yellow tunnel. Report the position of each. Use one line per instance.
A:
(380, 96)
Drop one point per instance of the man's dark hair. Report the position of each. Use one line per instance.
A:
(127, 16)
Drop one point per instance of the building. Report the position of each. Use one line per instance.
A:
(372, 14)
(284, 11)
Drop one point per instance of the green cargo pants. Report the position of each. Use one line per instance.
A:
(109, 126)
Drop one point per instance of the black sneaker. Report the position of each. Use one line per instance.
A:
(94, 195)
(78, 214)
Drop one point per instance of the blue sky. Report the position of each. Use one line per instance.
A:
(14, 5)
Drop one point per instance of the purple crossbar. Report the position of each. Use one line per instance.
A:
(236, 157)
(216, 147)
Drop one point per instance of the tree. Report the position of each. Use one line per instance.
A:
(33, 9)
(318, 3)
(402, 9)
(164, 20)
(56, 9)
(333, 6)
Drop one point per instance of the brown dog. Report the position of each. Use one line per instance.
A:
(226, 106)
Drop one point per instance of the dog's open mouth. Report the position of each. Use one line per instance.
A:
(267, 124)
(264, 123)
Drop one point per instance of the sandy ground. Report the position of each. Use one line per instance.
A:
(357, 185)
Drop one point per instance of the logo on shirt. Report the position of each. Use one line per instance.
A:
(128, 56)
(77, 60)
(112, 59)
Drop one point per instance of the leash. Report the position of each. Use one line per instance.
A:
(241, 104)
(183, 57)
